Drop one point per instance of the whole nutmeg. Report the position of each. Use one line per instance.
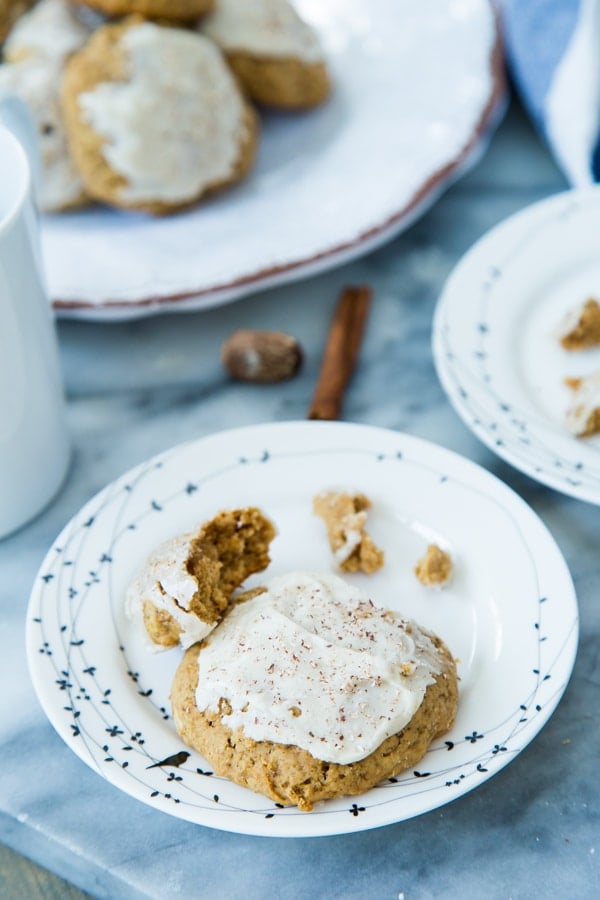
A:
(261, 356)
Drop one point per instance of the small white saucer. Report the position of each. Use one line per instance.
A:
(496, 338)
(513, 627)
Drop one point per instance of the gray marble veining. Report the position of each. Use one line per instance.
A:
(138, 388)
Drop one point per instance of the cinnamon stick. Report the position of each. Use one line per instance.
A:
(341, 351)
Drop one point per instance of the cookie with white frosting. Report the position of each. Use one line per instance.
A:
(175, 10)
(10, 10)
(186, 584)
(50, 30)
(310, 691)
(36, 52)
(155, 119)
(276, 55)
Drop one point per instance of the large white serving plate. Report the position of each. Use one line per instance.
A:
(509, 615)
(417, 88)
(496, 338)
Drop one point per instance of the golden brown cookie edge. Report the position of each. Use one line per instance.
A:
(291, 775)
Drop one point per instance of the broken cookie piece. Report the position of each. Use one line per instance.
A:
(435, 568)
(345, 517)
(581, 328)
(187, 583)
(583, 415)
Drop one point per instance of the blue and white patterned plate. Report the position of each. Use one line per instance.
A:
(513, 627)
(495, 338)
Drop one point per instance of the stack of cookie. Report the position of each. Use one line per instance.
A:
(152, 110)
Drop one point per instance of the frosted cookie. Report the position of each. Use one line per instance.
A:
(275, 54)
(583, 415)
(36, 51)
(187, 583)
(49, 30)
(310, 691)
(434, 569)
(176, 10)
(154, 117)
(36, 82)
(10, 10)
(581, 328)
(345, 517)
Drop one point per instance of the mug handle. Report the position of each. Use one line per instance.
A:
(16, 117)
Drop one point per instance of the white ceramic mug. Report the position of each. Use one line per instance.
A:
(34, 447)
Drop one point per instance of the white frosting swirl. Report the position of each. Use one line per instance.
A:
(270, 28)
(166, 582)
(174, 127)
(314, 663)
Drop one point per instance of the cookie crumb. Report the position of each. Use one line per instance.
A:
(583, 414)
(345, 517)
(435, 568)
(582, 327)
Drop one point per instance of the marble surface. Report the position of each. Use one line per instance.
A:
(136, 389)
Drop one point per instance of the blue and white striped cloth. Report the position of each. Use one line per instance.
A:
(553, 49)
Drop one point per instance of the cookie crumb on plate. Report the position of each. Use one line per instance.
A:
(345, 517)
(274, 53)
(583, 415)
(435, 568)
(581, 328)
(311, 691)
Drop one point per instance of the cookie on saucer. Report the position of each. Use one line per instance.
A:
(581, 327)
(154, 117)
(276, 55)
(310, 691)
